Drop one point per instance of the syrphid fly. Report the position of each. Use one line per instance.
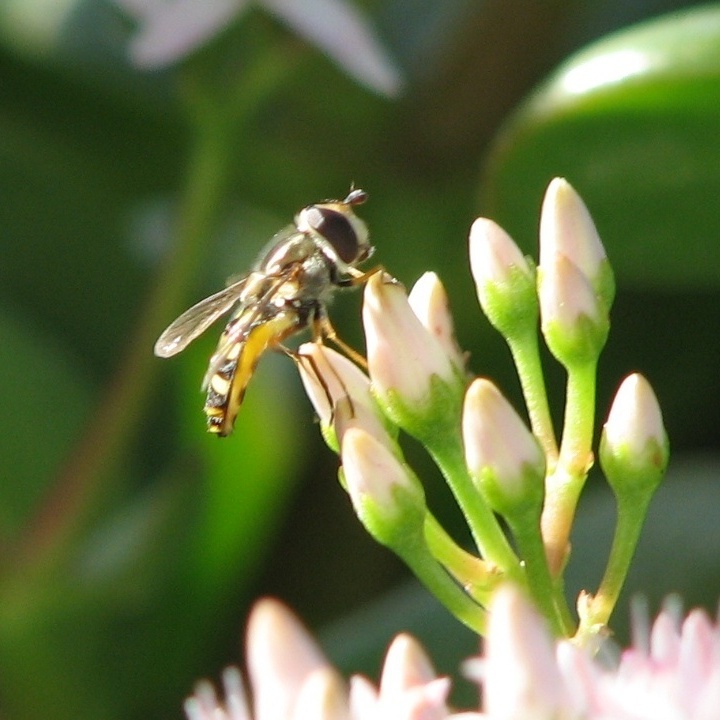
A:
(285, 293)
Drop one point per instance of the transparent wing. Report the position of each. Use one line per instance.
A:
(197, 319)
(239, 327)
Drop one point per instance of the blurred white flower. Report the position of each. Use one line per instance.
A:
(170, 29)
(291, 680)
(673, 674)
(527, 675)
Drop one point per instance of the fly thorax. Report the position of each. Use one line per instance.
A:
(255, 286)
(290, 251)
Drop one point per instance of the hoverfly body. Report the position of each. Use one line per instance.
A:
(285, 293)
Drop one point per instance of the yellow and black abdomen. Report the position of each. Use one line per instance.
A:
(226, 387)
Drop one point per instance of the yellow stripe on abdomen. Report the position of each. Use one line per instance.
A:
(221, 415)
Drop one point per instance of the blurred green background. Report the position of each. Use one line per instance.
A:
(133, 543)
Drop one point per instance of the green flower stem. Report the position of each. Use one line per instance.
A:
(526, 356)
(564, 485)
(476, 577)
(418, 558)
(110, 431)
(448, 454)
(526, 531)
(632, 509)
(579, 422)
(568, 621)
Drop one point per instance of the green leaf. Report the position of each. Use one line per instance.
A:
(249, 476)
(632, 123)
(46, 397)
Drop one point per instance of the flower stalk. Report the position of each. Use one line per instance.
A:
(505, 283)
(476, 576)
(634, 452)
(565, 484)
(390, 502)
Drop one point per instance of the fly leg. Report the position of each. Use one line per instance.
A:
(310, 364)
(323, 329)
(359, 277)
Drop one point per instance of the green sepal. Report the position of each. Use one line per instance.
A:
(631, 474)
(400, 525)
(512, 505)
(604, 285)
(580, 344)
(330, 437)
(437, 415)
(327, 430)
(512, 307)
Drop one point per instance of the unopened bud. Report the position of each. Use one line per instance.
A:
(504, 279)
(504, 458)
(634, 447)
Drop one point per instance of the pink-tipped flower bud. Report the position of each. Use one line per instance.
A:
(634, 447)
(413, 377)
(567, 229)
(504, 459)
(573, 322)
(387, 497)
(340, 393)
(504, 279)
(429, 302)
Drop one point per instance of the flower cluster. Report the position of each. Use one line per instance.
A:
(538, 661)
(495, 465)
(673, 672)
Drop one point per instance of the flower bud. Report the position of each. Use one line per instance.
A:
(429, 302)
(415, 380)
(634, 447)
(386, 495)
(504, 280)
(340, 394)
(567, 229)
(574, 324)
(504, 459)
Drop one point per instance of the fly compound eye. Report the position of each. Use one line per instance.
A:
(335, 227)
